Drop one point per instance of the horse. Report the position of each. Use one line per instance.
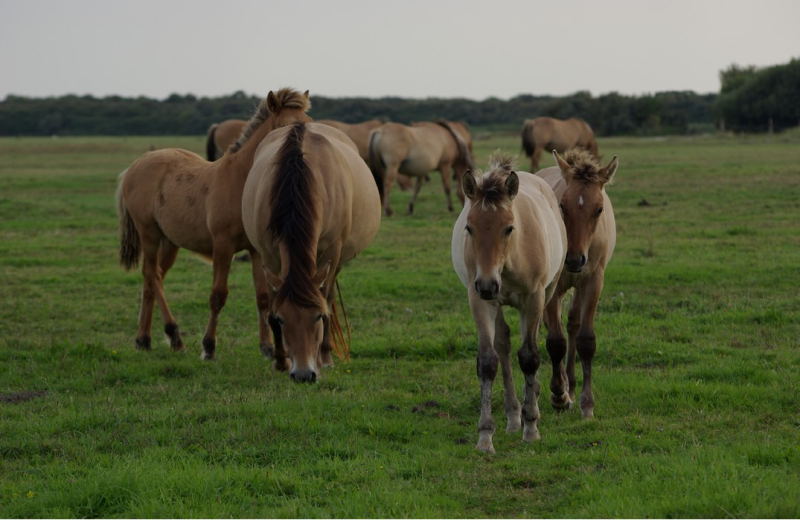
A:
(547, 133)
(171, 199)
(417, 150)
(508, 249)
(309, 207)
(579, 183)
(221, 136)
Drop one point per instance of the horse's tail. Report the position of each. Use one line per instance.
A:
(528, 144)
(375, 160)
(340, 346)
(130, 245)
(211, 147)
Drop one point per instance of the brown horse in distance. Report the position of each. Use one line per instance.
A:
(508, 249)
(221, 136)
(171, 199)
(579, 183)
(547, 133)
(417, 150)
(359, 133)
(309, 207)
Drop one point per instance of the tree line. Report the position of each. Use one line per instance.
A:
(749, 97)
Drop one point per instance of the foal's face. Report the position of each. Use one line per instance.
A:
(490, 234)
(581, 207)
(302, 330)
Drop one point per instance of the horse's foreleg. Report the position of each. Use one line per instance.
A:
(557, 348)
(529, 361)
(262, 304)
(484, 314)
(222, 256)
(417, 188)
(168, 252)
(281, 363)
(585, 341)
(502, 345)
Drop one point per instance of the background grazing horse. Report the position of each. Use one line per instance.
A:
(508, 249)
(221, 136)
(171, 199)
(547, 133)
(416, 151)
(579, 183)
(359, 133)
(309, 206)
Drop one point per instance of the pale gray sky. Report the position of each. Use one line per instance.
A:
(373, 48)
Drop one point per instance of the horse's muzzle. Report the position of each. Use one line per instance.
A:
(575, 263)
(487, 289)
(304, 376)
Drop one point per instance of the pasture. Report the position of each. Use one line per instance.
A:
(696, 376)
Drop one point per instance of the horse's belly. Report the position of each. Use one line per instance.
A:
(187, 231)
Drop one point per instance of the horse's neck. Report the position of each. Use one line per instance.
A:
(241, 161)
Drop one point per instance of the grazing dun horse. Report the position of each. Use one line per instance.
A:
(579, 183)
(546, 133)
(416, 151)
(171, 199)
(508, 249)
(309, 206)
(221, 136)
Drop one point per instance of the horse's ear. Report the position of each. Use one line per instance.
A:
(607, 173)
(322, 275)
(468, 184)
(272, 102)
(512, 185)
(305, 94)
(562, 165)
(274, 281)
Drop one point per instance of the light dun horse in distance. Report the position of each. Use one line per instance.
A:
(310, 205)
(171, 199)
(417, 150)
(508, 249)
(546, 133)
(221, 136)
(579, 184)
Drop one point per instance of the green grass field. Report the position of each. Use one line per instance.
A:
(697, 373)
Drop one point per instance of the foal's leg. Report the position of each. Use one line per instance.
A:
(222, 256)
(573, 325)
(262, 304)
(167, 255)
(585, 341)
(502, 345)
(152, 289)
(485, 315)
(417, 188)
(529, 361)
(557, 348)
(281, 362)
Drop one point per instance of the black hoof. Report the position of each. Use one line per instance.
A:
(143, 343)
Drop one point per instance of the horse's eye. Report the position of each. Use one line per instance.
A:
(509, 229)
(561, 206)
(599, 210)
(319, 317)
(469, 230)
(279, 320)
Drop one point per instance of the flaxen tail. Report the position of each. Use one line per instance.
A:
(211, 147)
(376, 161)
(527, 138)
(130, 245)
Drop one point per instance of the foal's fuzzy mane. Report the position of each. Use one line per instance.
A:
(286, 98)
(583, 166)
(492, 182)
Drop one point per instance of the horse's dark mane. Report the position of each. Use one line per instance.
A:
(294, 220)
(463, 149)
(583, 166)
(287, 98)
(492, 187)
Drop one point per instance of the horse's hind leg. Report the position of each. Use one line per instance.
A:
(557, 348)
(445, 169)
(502, 345)
(262, 304)
(417, 188)
(537, 152)
(151, 288)
(168, 252)
(223, 253)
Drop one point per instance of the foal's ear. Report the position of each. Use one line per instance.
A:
(512, 185)
(305, 94)
(322, 275)
(274, 280)
(272, 103)
(562, 165)
(468, 184)
(607, 173)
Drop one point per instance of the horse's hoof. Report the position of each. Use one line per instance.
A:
(513, 427)
(282, 365)
(530, 434)
(485, 447)
(143, 343)
(267, 350)
(560, 404)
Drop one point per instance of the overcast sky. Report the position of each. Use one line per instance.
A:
(374, 48)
